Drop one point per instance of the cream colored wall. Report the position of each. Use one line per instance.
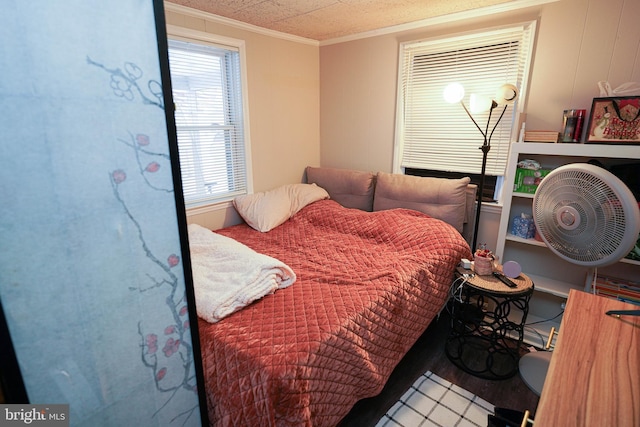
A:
(283, 91)
(579, 43)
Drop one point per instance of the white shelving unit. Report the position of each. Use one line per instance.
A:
(552, 276)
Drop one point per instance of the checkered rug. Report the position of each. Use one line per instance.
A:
(435, 402)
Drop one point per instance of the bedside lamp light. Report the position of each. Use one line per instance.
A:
(506, 95)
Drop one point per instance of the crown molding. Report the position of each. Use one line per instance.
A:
(437, 20)
(444, 19)
(184, 10)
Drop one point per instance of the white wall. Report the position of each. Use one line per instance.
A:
(579, 43)
(334, 105)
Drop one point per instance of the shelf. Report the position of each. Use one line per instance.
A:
(534, 242)
(588, 150)
(552, 286)
(523, 195)
(553, 276)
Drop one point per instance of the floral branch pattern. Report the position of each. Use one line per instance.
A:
(166, 352)
(138, 143)
(124, 83)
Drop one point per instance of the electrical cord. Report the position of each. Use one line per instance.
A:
(542, 340)
(546, 320)
(455, 291)
(537, 333)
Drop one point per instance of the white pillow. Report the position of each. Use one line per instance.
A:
(268, 209)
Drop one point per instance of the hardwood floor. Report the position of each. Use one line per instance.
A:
(428, 355)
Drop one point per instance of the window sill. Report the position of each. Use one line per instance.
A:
(199, 210)
(492, 207)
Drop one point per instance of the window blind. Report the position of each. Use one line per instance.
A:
(437, 135)
(207, 93)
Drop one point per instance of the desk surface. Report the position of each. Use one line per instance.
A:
(594, 376)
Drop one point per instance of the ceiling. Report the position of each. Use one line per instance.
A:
(329, 19)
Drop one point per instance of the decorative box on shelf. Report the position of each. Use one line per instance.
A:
(541, 136)
(524, 227)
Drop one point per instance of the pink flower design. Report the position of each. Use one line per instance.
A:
(183, 310)
(161, 373)
(171, 346)
(173, 260)
(186, 324)
(152, 167)
(169, 330)
(142, 139)
(118, 176)
(152, 343)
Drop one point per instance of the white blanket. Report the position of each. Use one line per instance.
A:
(228, 275)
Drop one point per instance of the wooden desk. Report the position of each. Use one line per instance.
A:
(594, 376)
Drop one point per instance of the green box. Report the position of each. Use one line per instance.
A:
(527, 180)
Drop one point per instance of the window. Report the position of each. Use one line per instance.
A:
(434, 135)
(210, 121)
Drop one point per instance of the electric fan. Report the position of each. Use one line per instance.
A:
(587, 216)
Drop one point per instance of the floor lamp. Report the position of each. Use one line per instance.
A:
(506, 95)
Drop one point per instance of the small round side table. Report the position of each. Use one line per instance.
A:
(487, 325)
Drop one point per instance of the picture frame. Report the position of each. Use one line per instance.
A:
(614, 120)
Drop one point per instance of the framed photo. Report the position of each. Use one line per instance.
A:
(614, 120)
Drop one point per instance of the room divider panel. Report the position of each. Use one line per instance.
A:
(95, 284)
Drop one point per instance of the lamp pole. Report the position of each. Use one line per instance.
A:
(506, 94)
(485, 151)
(486, 146)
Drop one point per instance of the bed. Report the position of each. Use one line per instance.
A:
(366, 284)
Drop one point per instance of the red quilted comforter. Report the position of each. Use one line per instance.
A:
(368, 284)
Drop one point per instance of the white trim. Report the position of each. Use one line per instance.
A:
(184, 10)
(444, 19)
(491, 207)
(187, 34)
(198, 210)
(467, 35)
(398, 141)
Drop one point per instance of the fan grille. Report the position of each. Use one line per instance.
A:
(583, 217)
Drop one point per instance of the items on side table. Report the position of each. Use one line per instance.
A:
(483, 260)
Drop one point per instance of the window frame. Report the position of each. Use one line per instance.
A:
(528, 30)
(200, 37)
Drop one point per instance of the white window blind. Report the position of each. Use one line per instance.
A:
(207, 92)
(440, 136)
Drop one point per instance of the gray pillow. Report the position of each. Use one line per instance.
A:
(350, 188)
(440, 198)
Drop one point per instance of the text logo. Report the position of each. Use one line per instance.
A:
(34, 415)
